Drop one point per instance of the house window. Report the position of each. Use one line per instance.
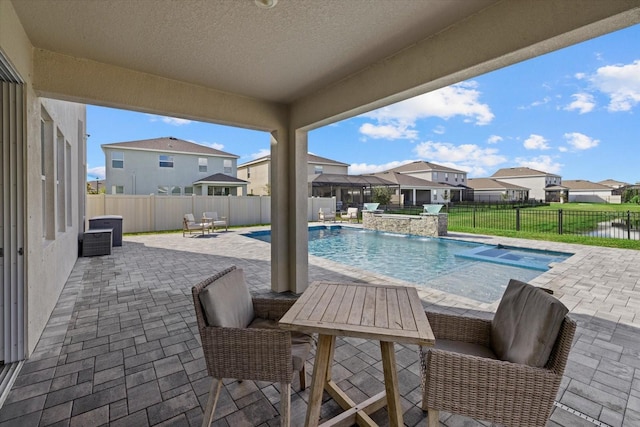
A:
(455, 177)
(166, 161)
(117, 189)
(67, 179)
(317, 169)
(446, 176)
(227, 167)
(248, 173)
(46, 176)
(435, 175)
(218, 191)
(188, 191)
(462, 178)
(163, 190)
(61, 217)
(202, 164)
(176, 191)
(117, 160)
(435, 194)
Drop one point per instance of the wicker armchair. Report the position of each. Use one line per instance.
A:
(503, 392)
(251, 353)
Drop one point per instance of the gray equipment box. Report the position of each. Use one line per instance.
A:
(97, 242)
(108, 221)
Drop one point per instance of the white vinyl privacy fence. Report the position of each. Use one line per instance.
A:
(159, 213)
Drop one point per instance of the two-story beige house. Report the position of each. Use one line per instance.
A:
(542, 185)
(493, 190)
(258, 172)
(454, 179)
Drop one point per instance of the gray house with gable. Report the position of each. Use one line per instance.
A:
(170, 167)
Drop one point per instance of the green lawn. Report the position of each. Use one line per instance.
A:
(542, 223)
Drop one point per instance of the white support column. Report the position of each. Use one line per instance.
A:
(414, 196)
(289, 226)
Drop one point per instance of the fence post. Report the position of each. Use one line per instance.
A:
(517, 219)
(559, 221)
(474, 216)
(629, 225)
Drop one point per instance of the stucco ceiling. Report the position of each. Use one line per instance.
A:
(279, 54)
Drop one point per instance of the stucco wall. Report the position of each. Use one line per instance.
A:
(48, 262)
(142, 173)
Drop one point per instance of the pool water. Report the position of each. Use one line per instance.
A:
(476, 271)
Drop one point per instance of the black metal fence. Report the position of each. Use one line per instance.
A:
(620, 225)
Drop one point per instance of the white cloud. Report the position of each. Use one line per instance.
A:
(388, 131)
(398, 120)
(216, 146)
(494, 139)
(563, 149)
(360, 168)
(543, 101)
(98, 171)
(541, 163)
(465, 156)
(169, 120)
(262, 153)
(580, 76)
(583, 102)
(536, 142)
(174, 121)
(621, 83)
(439, 130)
(580, 141)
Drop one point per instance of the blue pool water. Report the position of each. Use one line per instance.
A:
(472, 270)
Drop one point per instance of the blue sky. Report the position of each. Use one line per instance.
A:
(573, 112)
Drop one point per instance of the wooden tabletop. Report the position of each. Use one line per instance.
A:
(379, 312)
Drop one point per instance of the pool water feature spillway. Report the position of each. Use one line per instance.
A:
(425, 224)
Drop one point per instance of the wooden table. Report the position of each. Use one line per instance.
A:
(385, 313)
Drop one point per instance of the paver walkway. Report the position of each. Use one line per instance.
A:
(122, 346)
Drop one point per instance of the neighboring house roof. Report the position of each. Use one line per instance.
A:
(584, 185)
(613, 183)
(422, 166)
(404, 180)
(220, 178)
(311, 158)
(325, 179)
(168, 144)
(492, 184)
(520, 172)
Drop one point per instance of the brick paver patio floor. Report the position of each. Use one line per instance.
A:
(122, 346)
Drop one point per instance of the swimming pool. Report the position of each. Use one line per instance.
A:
(472, 270)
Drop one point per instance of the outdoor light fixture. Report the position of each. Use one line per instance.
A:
(266, 4)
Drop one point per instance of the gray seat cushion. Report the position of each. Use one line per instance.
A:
(465, 348)
(300, 342)
(227, 302)
(526, 324)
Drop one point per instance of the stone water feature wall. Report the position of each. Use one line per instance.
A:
(420, 225)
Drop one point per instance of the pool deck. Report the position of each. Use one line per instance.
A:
(122, 347)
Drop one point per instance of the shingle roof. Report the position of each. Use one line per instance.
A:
(613, 182)
(324, 179)
(492, 184)
(405, 180)
(311, 158)
(519, 172)
(220, 177)
(169, 144)
(422, 166)
(581, 184)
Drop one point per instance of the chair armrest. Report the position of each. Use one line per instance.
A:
(271, 308)
(478, 383)
(460, 328)
(258, 354)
